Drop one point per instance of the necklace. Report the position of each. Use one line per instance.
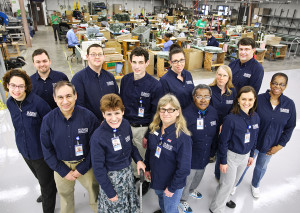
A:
(19, 104)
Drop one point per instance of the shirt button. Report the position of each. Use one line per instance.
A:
(68, 136)
(44, 82)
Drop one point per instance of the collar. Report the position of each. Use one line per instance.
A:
(218, 90)
(74, 113)
(170, 129)
(140, 81)
(268, 96)
(37, 75)
(93, 73)
(244, 115)
(107, 127)
(183, 73)
(247, 63)
(205, 112)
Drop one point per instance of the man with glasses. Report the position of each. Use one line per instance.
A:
(246, 71)
(140, 93)
(45, 78)
(202, 121)
(93, 82)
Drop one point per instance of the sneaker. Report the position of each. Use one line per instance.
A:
(185, 207)
(255, 192)
(231, 204)
(233, 191)
(196, 195)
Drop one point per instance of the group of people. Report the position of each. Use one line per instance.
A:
(89, 130)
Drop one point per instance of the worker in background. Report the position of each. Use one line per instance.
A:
(246, 71)
(147, 21)
(201, 25)
(93, 82)
(44, 78)
(77, 14)
(211, 40)
(72, 39)
(65, 138)
(166, 46)
(140, 93)
(55, 25)
(27, 111)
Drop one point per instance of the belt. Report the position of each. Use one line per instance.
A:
(75, 161)
(139, 125)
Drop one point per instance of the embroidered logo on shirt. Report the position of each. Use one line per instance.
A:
(155, 133)
(169, 140)
(247, 75)
(127, 139)
(83, 130)
(255, 126)
(213, 123)
(110, 83)
(31, 114)
(168, 146)
(284, 110)
(229, 101)
(145, 94)
(189, 82)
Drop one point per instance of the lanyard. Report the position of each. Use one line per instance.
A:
(77, 139)
(201, 113)
(114, 132)
(141, 101)
(161, 140)
(248, 125)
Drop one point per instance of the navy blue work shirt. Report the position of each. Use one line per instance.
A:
(27, 123)
(276, 125)
(222, 103)
(202, 138)
(233, 133)
(44, 88)
(181, 89)
(250, 73)
(174, 164)
(58, 137)
(212, 42)
(147, 89)
(91, 88)
(105, 158)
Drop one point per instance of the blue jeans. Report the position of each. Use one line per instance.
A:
(169, 204)
(260, 168)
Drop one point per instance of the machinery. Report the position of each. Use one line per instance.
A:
(3, 22)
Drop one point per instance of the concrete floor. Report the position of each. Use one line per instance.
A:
(280, 186)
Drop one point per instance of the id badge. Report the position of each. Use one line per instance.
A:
(78, 150)
(141, 111)
(116, 143)
(158, 151)
(200, 123)
(247, 137)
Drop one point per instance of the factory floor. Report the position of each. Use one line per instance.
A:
(280, 188)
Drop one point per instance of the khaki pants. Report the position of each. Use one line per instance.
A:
(138, 134)
(65, 189)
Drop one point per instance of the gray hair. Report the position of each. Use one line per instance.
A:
(60, 84)
(202, 86)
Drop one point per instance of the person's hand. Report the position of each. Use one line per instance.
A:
(168, 193)
(148, 175)
(76, 174)
(140, 165)
(114, 199)
(70, 176)
(250, 161)
(223, 168)
(274, 150)
(220, 129)
(145, 143)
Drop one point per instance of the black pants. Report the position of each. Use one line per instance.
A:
(45, 176)
(56, 30)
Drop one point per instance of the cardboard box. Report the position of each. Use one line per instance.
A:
(111, 50)
(106, 33)
(273, 40)
(117, 8)
(113, 44)
(264, 11)
(120, 38)
(86, 17)
(256, 11)
(193, 59)
(114, 57)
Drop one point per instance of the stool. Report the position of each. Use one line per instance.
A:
(73, 54)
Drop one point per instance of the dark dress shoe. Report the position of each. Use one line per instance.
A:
(231, 204)
(40, 199)
(158, 211)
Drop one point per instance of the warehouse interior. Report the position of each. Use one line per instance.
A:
(119, 26)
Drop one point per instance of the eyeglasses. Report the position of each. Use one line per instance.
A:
(13, 86)
(207, 98)
(170, 110)
(245, 50)
(180, 61)
(94, 54)
(276, 84)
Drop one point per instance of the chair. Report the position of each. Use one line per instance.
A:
(73, 55)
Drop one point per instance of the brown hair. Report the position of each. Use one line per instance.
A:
(39, 52)
(93, 45)
(139, 51)
(236, 106)
(60, 84)
(18, 73)
(111, 101)
(246, 42)
(209, 33)
(174, 49)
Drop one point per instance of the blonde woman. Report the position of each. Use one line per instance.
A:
(168, 155)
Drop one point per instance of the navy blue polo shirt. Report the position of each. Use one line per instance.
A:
(58, 137)
(212, 42)
(27, 123)
(174, 164)
(202, 138)
(276, 125)
(147, 89)
(222, 103)
(233, 133)
(105, 158)
(91, 88)
(182, 90)
(44, 88)
(250, 73)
